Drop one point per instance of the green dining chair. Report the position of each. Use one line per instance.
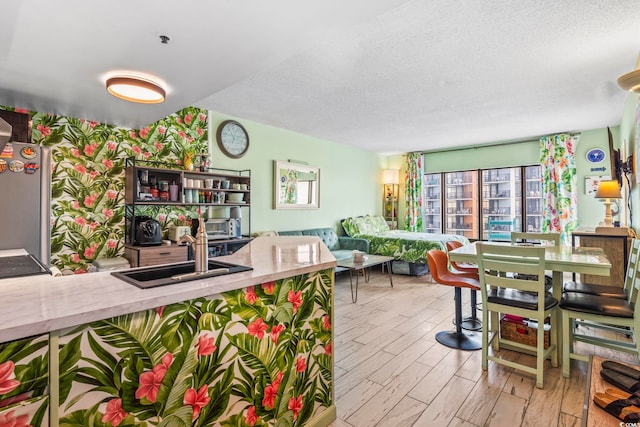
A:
(621, 316)
(621, 291)
(506, 293)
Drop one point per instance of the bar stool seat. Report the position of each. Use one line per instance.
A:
(439, 267)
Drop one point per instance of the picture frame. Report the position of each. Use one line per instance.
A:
(591, 184)
(295, 186)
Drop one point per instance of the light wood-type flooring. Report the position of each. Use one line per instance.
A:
(390, 371)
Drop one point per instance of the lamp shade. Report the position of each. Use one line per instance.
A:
(135, 89)
(608, 190)
(391, 176)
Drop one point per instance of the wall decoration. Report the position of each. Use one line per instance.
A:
(591, 184)
(87, 200)
(295, 186)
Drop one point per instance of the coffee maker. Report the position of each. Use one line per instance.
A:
(235, 220)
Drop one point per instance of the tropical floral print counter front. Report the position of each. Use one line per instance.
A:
(258, 356)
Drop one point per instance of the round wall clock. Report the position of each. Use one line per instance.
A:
(232, 139)
(596, 155)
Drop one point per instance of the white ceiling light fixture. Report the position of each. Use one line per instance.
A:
(136, 89)
(631, 81)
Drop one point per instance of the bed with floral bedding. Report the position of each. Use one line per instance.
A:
(403, 245)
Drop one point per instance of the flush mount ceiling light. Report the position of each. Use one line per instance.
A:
(135, 89)
(631, 81)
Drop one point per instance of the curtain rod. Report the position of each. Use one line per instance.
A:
(494, 144)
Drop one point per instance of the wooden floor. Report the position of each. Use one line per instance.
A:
(390, 371)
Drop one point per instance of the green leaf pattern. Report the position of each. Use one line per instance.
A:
(559, 179)
(87, 186)
(400, 244)
(413, 192)
(24, 377)
(252, 357)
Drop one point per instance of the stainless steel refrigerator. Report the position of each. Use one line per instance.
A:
(25, 193)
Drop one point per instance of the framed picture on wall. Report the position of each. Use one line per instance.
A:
(591, 184)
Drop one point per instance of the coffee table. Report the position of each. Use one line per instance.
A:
(356, 267)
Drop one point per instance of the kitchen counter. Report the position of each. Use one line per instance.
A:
(40, 304)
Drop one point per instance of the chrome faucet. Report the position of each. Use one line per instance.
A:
(199, 246)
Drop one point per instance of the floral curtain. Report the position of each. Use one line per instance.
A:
(559, 185)
(413, 192)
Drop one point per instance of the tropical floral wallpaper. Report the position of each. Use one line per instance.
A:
(258, 356)
(24, 376)
(87, 206)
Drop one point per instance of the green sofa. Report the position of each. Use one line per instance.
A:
(341, 247)
(408, 248)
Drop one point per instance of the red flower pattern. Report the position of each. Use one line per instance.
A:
(295, 298)
(250, 295)
(301, 364)
(275, 332)
(251, 416)
(268, 287)
(9, 419)
(114, 413)
(150, 381)
(206, 345)
(326, 323)
(270, 394)
(257, 328)
(197, 400)
(295, 405)
(44, 130)
(7, 384)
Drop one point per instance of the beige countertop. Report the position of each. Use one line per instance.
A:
(40, 304)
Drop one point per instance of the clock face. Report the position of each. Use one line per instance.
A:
(233, 139)
(595, 155)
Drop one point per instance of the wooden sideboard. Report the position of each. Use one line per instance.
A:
(615, 243)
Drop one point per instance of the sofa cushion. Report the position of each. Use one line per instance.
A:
(327, 235)
(365, 225)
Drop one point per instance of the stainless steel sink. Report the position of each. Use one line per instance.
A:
(169, 274)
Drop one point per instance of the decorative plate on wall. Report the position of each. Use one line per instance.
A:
(596, 155)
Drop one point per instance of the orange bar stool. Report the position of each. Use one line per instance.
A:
(471, 323)
(439, 267)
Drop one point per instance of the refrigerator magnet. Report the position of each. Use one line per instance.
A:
(28, 153)
(3, 165)
(16, 166)
(30, 168)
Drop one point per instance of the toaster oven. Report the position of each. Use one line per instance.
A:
(222, 228)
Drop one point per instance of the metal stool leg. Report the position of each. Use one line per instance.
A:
(472, 323)
(459, 339)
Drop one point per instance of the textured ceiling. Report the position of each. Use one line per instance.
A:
(384, 75)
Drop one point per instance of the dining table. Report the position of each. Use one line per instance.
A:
(559, 260)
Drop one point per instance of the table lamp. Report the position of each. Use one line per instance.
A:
(608, 190)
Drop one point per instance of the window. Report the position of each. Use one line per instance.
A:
(484, 204)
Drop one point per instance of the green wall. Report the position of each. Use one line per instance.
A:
(629, 144)
(590, 209)
(350, 178)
